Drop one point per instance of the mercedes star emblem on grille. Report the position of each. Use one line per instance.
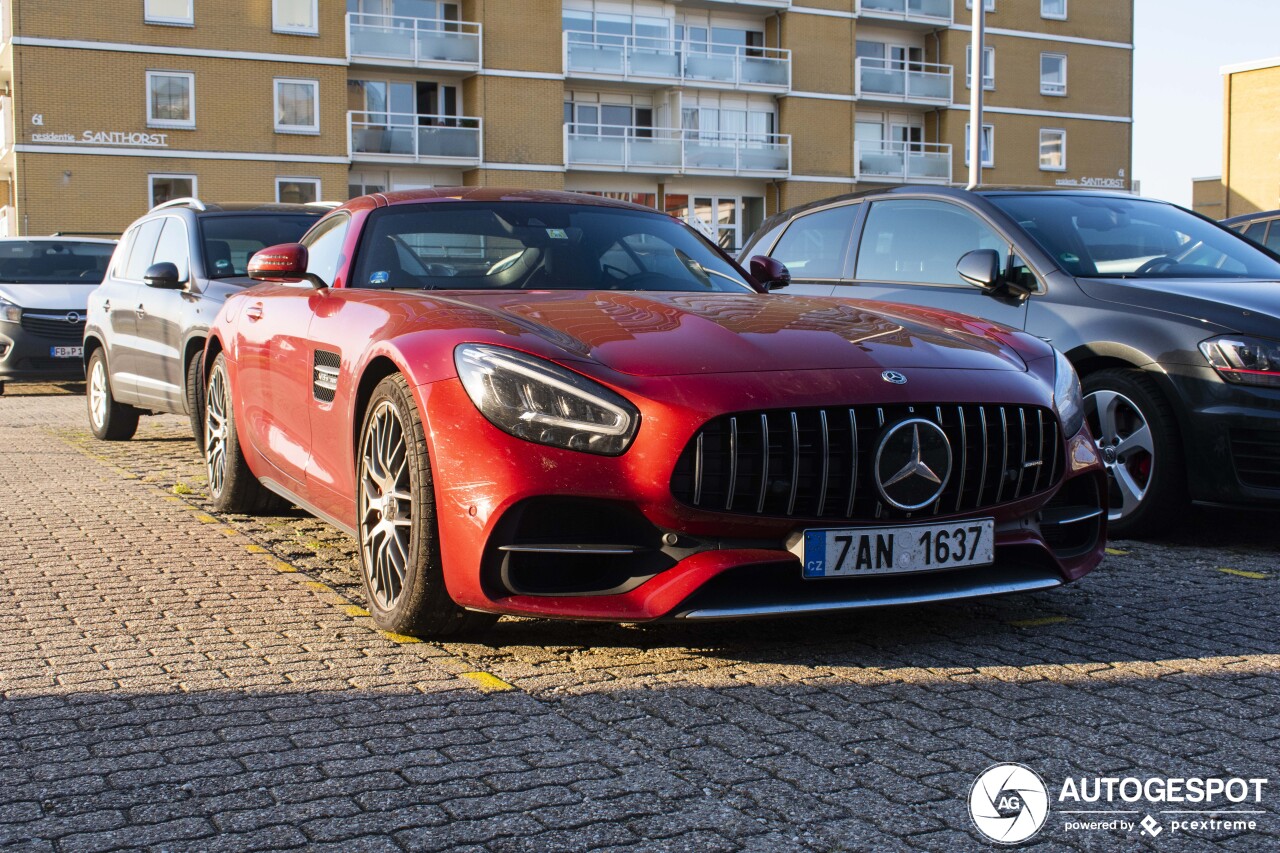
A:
(894, 376)
(913, 464)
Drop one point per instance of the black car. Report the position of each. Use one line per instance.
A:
(1172, 320)
(149, 318)
(1261, 228)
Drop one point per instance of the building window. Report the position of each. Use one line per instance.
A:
(988, 145)
(297, 17)
(1053, 74)
(297, 190)
(990, 5)
(1053, 150)
(178, 12)
(988, 67)
(171, 99)
(166, 187)
(297, 106)
(1053, 9)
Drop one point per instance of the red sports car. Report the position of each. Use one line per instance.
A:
(548, 404)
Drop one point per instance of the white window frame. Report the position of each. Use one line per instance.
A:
(277, 27)
(188, 21)
(311, 130)
(151, 185)
(1050, 93)
(297, 179)
(990, 5)
(186, 124)
(1040, 155)
(988, 83)
(1049, 17)
(991, 148)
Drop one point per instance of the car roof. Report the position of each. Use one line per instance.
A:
(954, 192)
(1250, 217)
(57, 238)
(488, 194)
(216, 207)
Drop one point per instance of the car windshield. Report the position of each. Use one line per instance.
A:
(535, 246)
(1104, 237)
(53, 261)
(230, 240)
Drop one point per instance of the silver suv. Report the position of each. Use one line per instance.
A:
(44, 294)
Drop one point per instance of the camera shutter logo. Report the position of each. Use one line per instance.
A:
(1008, 803)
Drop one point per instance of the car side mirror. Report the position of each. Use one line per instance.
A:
(981, 268)
(771, 273)
(163, 275)
(283, 264)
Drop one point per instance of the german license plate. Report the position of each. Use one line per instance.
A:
(856, 551)
(66, 352)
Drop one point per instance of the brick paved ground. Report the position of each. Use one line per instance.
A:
(170, 681)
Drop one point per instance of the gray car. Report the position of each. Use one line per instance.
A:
(149, 319)
(44, 293)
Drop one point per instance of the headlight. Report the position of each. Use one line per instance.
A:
(543, 402)
(1244, 361)
(1067, 396)
(10, 312)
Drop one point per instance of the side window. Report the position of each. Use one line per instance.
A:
(1273, 236)
(324, 249)
(1256, 231)
(144, 249)
(762, 244)
(920, 241)
(173, 246)
(815, 244)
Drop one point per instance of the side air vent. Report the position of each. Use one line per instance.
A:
(324, 375)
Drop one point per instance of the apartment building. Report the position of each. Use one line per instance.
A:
(1250, 179)
(716, 111)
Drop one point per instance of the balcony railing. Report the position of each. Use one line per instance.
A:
(904, 82)
(927, 12)
(665, 61)
(901, 162)
(667, 150)
(413, 42)
(413, 138)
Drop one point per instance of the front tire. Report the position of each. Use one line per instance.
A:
(195, 398)
(399, 536)
(108, 420)
(1137, 435)
(232, 486)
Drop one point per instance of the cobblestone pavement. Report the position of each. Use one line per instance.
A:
(176, 680)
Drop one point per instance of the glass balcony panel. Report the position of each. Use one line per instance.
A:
(421, 41)
(597, 58)
(702, 66)
(597, 150)
(767, 72)
(880, 162)
(448, 47)
(929, 8)
(927, 165)
(649, 62)
(922, 84)
(896, 7)
(449, 142)
(883, 81)
(383, 41)
(655, 152)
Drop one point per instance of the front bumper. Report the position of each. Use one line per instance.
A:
(26, 355)
(641, 555)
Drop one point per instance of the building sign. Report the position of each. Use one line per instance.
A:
(1097, 183)
(106, 137)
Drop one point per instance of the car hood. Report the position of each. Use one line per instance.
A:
(48, 297)
(669, 334)
(1248, 306)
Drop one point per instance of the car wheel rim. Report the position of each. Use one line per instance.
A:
(215, 432)
(1126, 446)
(386, 505)
(98, 394)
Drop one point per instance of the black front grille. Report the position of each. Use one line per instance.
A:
(53, 326)
(817, 463)
(1256, 453)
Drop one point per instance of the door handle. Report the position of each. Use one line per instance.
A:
(106, 307)
(141, 311)
(254, 311)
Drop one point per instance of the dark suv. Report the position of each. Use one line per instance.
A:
(149, 318)
(1171, 320)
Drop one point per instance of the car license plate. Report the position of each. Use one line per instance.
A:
(854, 551)
(66, 352)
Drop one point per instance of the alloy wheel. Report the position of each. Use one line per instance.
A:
(1126, 446)
(215, 431)
(98, 394)
(386, 505)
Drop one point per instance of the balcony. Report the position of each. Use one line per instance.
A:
(663, 62)
(729, 5)
(903, 162)
(923, 13)
(400, 42)
(900, 82)
(410, 138)
(673, 151)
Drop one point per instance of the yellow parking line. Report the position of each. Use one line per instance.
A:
(205, 518)
(487, 681)
(355, 610)
(1116, 552)
(282, 566)
(255, 549)
(230, 531)
(1044, 620)
(1240, 573)
(399, 638)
